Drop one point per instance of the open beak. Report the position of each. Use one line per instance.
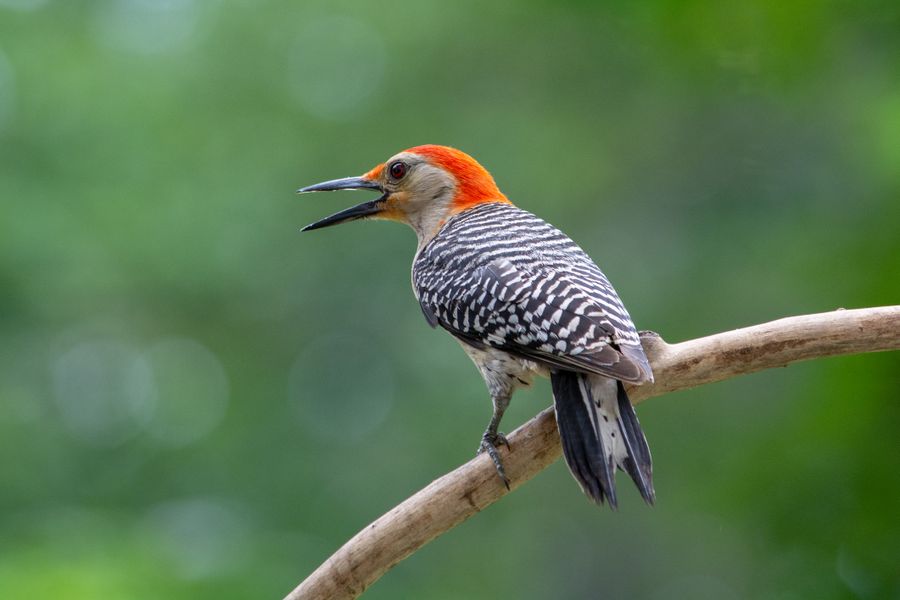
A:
(360, 211)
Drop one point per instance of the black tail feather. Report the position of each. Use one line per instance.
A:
(580, 436)
(638, 463)
(579, 422)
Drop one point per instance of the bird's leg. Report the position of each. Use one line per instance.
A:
(493, 438)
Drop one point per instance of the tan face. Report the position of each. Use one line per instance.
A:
(418, 193)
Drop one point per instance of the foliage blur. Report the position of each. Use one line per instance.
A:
(196, 401)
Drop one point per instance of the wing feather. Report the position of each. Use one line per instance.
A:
(541, 334)
(499, 276)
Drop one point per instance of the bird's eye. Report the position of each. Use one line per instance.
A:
(397, 169)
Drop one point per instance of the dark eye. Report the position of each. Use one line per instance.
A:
(397, 169)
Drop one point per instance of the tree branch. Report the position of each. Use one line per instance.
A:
(458, 495)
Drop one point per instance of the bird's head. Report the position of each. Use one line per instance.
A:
(422, 187)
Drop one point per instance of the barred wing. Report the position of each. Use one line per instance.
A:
(540, 313)
(498, 275)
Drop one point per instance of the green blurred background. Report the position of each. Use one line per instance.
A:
(196, 401)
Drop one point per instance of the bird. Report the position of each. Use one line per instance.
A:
(524, 301)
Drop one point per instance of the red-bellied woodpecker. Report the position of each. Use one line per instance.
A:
(523, 300)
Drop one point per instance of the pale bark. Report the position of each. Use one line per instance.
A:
(458, 495)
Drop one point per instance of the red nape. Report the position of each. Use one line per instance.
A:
(474, 184)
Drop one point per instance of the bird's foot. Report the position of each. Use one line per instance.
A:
(489, 443)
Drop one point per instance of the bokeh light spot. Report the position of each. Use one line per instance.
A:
(336, 66)
(341, 387)
(22, 5)
(203, 537)
(104, 391)
(147, 26)
(191, 391)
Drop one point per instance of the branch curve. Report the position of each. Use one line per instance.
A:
(470, 488)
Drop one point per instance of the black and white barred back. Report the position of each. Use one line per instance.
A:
(499, 276)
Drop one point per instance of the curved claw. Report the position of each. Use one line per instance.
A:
(496, 440)
(489, 444)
